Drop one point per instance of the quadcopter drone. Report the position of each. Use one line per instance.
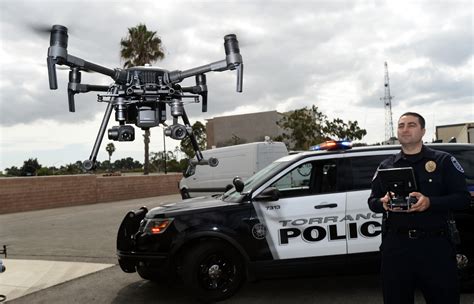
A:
(140, 95)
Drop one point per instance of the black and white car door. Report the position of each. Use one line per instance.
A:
(364, 227)
(308, 218)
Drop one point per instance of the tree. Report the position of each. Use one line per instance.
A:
(199, 131)
(30, 167)
(303, 128)
(127, 164)
(13, 171)
(140, 47)
(306, 127)
(342, 130)
(158, 159)
(110, 148)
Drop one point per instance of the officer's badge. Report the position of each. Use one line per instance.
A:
(456, 164)
(259, 231)
(430, 166)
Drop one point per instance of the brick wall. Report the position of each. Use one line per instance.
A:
(19, 194)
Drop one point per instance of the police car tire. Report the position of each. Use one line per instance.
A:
(201, 260)
(161, 275)
(148, 274)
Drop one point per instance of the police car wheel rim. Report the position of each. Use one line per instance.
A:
(217, 272)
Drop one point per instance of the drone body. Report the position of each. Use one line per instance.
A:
(140, 95)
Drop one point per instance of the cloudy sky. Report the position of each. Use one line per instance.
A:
(296, 53)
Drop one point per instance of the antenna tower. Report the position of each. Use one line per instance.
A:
(387, 100)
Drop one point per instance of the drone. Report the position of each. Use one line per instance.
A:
(141, 95)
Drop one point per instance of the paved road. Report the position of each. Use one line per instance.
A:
(87, 234)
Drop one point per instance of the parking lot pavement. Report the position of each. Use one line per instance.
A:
(27, 276)
(49, 247)
(83, 239)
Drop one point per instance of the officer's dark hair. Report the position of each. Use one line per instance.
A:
(421, 120)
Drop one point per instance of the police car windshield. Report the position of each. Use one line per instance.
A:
(256, 179)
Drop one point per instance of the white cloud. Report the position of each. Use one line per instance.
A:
(296, 54)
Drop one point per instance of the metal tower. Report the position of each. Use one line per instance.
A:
(387, 100)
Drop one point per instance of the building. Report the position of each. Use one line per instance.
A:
(461, 133)
(245, 128)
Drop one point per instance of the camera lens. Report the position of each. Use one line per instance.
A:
(126, 133)
(113, 133)
(126, 136)
(122, 133)
(179, 133)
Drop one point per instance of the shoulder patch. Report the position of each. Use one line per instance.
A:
(456, 164)
(375, 174)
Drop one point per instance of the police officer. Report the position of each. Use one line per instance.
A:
(417, 251)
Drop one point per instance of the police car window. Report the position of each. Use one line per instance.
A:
(328, 178)
(296, 182)
(466, 159)
(363, 169)
(325, 177)
(311, 178)
(256, 179)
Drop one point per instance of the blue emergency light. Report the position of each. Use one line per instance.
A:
(332, 145)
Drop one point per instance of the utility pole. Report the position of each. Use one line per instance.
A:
(387, 100)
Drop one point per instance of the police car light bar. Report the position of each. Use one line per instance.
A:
(332, 145)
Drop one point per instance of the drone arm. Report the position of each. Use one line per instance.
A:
(177, 76)
(73, 61)
(75, 86)
(232, 61)
(98, 88)
(218, 66)
(200, 88)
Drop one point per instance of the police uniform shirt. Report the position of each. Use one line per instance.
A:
(439, 176)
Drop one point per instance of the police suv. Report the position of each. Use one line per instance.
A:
(305, 213)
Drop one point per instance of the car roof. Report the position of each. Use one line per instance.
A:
(442, 146)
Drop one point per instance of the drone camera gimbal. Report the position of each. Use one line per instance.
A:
(140, 95)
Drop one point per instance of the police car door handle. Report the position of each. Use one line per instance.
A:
(325, 206)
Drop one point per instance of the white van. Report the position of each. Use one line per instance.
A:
(239, 160)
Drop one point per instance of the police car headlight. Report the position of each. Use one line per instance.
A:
(155, 226)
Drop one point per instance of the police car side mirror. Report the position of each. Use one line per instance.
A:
(238, 184)
(270, 194)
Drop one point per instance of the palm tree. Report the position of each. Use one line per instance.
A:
(140, 47)
(110, 148)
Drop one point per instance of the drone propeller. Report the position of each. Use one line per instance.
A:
(42, 29)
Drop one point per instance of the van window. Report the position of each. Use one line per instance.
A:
(190, 170)
(363, 169)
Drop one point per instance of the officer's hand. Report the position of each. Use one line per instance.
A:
(422, 204)
(385, 200)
